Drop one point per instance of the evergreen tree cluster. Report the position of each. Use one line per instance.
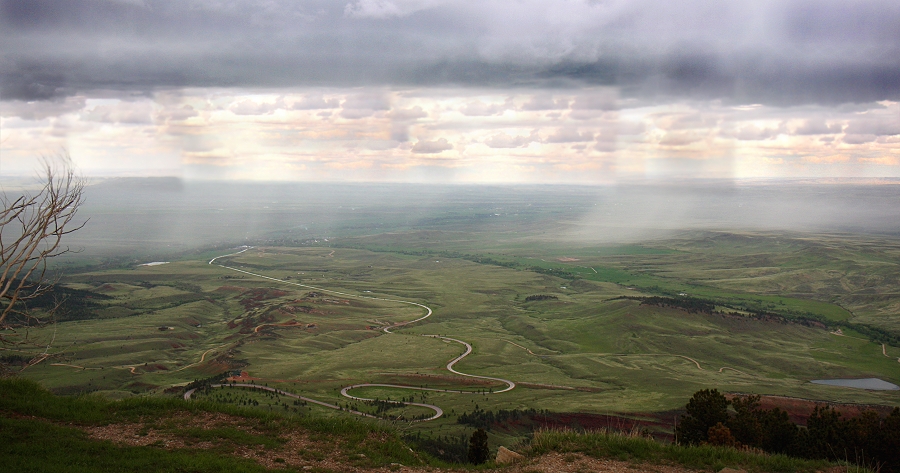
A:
(382, 406)
(74, 304)
(541, 297)
(690, 304)
(869, 439)
(761, 312)
(204, 384)
(482, 419)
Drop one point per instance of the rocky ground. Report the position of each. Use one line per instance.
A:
(304, 450)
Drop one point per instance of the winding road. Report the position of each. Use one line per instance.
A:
(190, 392)
(438, 412)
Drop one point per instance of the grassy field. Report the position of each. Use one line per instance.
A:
(582, 350)
(41, 432)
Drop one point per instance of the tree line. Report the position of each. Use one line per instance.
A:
(869, 439)
(707, 306)
(483, 419)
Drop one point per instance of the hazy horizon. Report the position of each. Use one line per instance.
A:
(167, 216)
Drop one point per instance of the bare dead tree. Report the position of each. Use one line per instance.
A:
(32, 227)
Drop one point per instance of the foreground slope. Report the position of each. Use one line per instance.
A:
(46, 433)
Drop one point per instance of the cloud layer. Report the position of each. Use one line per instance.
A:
(432, 90)
(784, 52)
(428, 134)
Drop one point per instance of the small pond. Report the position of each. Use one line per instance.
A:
(866, 383)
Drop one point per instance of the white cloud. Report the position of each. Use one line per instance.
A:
(876, 125)
(478, 108)
(362, 105)
(680, 138)
(503, 140)
(595, 103)
(407, 114)
(315, 102)
(881, 161)
(177, 113)
(542, 102)
(198, 126)
(432, 147)
(858, 139)
(757, 133)
(570, 135)
(605, 146)
(817, 127)
(38, 110)
(829, 159)
(132, 113)
(252, 107)
(602, 100)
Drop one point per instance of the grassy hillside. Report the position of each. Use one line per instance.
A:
(41, 432)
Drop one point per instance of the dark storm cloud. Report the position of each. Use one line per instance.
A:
(773, 52)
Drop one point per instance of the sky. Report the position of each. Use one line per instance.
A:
(488, 91)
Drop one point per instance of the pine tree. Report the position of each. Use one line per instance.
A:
(889, 443)
(705, 409)
(478, 447)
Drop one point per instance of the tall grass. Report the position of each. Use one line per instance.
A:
(32, 440)
(28, 445)
(633, 447)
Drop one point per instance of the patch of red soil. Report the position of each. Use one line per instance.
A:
(564, 388)
(244, 377)
(659, 424)
(267, 293)
(337, 301)
(246, 325)
(186, 335)
(437, 377)
(252, 298)
(558, 462)
(231, 289)
(302, 308)
(288, 324)
(799, 409)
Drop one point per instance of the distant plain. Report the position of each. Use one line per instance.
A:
(474, 255)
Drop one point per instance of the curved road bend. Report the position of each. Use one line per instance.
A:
(345, 391)
(189, 393)
(509, 384)
(428, 311)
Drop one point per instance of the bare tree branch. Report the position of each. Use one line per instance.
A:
(32, 227)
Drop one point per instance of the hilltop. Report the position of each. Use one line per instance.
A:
(47, 433)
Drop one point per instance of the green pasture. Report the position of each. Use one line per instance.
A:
(834, 276)
(589, 352)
